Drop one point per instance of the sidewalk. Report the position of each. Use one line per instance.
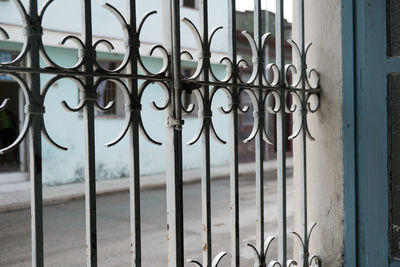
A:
(17, 196)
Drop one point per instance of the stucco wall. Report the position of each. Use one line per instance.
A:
(65, 16)
(324, 155)
(64, 167)
(67, 129)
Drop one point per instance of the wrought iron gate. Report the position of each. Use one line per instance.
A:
(88, 74)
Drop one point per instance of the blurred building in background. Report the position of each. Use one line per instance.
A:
(66, 128)
(245, 22)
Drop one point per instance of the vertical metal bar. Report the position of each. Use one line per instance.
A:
(259, 115)
(205, 141)
(134, 179)
(174, 138)
(234, 138)
(35, 140)
(302, 140)
(88, 117)
(281, 135)
(22, 146)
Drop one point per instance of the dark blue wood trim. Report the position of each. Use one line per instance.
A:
(359, 30)
(349, 140)
(371, 134)
(393, 65)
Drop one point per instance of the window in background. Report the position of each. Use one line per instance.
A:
(7, 56)
(190, 3)
(108, 92)
(189, 98)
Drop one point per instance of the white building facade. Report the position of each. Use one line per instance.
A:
(63, 18)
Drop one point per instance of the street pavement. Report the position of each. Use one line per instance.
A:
(64, 227)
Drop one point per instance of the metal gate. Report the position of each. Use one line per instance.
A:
(88, 74)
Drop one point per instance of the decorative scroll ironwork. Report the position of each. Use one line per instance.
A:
(87, 74)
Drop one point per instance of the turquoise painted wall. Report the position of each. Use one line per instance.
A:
(67, 129)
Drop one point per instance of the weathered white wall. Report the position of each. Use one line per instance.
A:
(324, 155)
(62, 18)
(67, 128)
(65, 16)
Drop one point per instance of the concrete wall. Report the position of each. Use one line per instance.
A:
(64, 167)
(65, 16)
(324, 155)
(67, 129)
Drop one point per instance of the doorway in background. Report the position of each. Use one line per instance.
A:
(13, 164)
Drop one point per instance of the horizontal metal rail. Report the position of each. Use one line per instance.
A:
(111, 75)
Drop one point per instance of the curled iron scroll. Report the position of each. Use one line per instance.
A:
(260, 256)
(6, 101)
(25, 46)
(4, 34)
(215, 261)
(154, 105)
(27, 121)
(44, 92)
(305, 244)
(302, 98)
(36, 109)
(205, 112)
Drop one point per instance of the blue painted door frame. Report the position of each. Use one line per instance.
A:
(365, 70)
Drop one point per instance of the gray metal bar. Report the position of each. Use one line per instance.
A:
(134, 179)
(173, 145)
(304, 253)
(281, 136)
(205, 141)
(234, 138)
(259, 142)
(88, 117)
(35, 140)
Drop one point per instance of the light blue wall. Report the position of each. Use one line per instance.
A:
(67, 129)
